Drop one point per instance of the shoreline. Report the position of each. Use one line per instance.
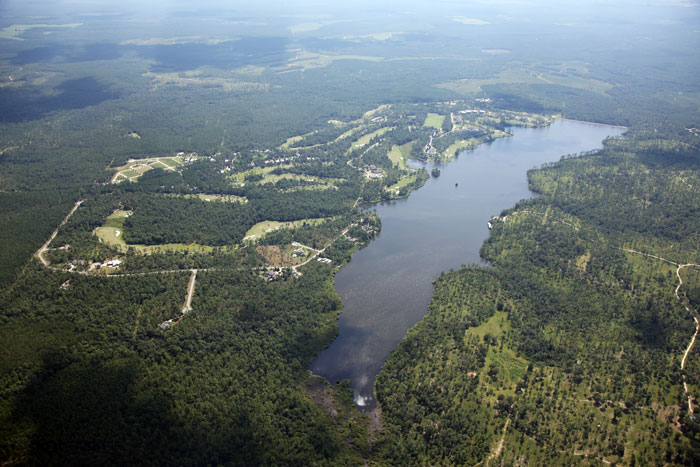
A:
(595, 123)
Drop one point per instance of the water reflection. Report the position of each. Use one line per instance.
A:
(387, 286)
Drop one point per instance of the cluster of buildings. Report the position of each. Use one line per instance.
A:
(187, 158)
(300, 253)
(372, 172)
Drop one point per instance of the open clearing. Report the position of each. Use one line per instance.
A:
(511, 368)
(16, 30)
(112, 231)
(461, 145)
(398, 154)
(268, 177)
(363, 141)
(133, 169)
(522, 76)
(216, 198)
(402, 183)
(434, 120)
(261, 228)
(309, 60)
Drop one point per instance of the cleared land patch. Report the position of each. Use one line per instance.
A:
(112, 233)
(434, 120)
(398, 154)
(461, 145)
(402, 183)
(216, 198)
(134, 168)
(509, 368)
(522, 76)
(16, 30)
(363, 141)
(309, 60)
(200, 78)
(261, 228)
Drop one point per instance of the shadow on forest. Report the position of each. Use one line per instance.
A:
(105, 413)
(28, 103)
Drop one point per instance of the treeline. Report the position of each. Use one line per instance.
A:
(158, 220)
(111, 384)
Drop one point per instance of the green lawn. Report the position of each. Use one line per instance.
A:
(402, 183)
(461, 145)
(434, 120)
(112, 231)
(261, 228)
(398, 154)
(363, 141)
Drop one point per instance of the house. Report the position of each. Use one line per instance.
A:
(299, 253)
(270, 275)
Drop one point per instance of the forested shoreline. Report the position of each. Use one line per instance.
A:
(229, 157)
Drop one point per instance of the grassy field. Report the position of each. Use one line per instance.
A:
(434, 120)
(16, 30)
(261, 228)
(111, 233)
(402, 183)
(290, 141)
(240, 177)
(522, 76)
(273, 178)
(350, 132)
(363, 141)
(398, 155)
(461, 145)
(310, 60)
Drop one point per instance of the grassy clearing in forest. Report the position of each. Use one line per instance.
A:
(261, 228)
(363, 141)
(434, 120)
(398, 154)
(112, 232)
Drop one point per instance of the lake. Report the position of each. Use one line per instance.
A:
(387, 286)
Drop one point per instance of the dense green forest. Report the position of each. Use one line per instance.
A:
(570, 348)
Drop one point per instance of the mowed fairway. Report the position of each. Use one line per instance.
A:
(363, 141)
(398, 155)
(261, 228)
(112, 233)
(434, 120)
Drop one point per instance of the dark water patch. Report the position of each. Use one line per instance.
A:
(29, 102)
(387, 286)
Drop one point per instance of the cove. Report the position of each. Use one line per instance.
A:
(387, 286)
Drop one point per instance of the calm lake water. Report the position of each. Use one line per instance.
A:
(387, 286)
